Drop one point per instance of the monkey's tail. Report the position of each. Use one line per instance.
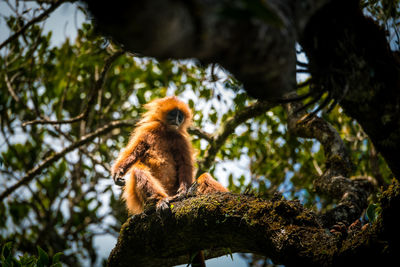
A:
(198, 260)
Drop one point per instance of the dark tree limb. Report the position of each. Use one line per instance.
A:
(350, 57)
(281, 230)
(214, 31)
(334, 181)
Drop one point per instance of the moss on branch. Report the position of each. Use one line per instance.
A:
(225, 223)
(238, 222)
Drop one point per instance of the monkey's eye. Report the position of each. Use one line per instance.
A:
(175, 117)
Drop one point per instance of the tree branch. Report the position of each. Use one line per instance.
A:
(282, 230)
(341, 55)
(213, 32)
(30, 175)
(224, 220)
(200, 133)
(54, 6)
(227, 128)
(353, 193)
(10, 88)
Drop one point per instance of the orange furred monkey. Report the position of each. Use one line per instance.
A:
(160, 157)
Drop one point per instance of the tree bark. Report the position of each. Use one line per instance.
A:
(281, 230)
(259, 49)
(334, 182)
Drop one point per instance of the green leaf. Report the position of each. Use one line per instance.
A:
(43, 258)
(228, 251)
(56, 257)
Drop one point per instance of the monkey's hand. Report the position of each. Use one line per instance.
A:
(124, 163)
(118, 176)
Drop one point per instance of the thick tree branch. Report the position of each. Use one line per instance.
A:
(264, 61)
(30, 175)
(240, 223)
(281, 230)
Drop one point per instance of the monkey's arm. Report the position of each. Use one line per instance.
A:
(129, 156)
(184, 161)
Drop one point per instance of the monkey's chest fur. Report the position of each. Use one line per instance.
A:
(169, 159)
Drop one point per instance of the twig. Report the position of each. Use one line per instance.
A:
(304, 83)
(228, 127)
(53, 158)
(200, 133)
(302, 71)
(30, 23)
(106, 166)
(9, 87)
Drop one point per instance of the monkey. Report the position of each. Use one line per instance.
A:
(160, 156)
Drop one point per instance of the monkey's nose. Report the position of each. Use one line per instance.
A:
(177, 120)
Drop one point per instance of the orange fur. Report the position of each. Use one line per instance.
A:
(160, 157)
(207, 184)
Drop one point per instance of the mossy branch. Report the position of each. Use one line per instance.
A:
(224, 223)
(236, 222)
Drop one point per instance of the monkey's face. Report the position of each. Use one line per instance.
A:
(175, 118)
(170, 111)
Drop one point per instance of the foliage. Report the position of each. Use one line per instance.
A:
(74, 200)
(7, 258)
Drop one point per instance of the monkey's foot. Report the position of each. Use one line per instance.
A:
(162, 206)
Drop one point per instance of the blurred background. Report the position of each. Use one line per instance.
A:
(71, 205)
